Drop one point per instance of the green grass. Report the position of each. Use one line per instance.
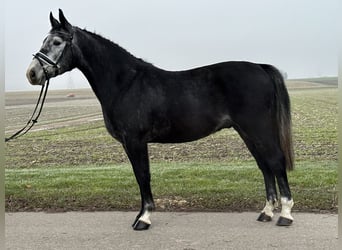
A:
(193, 186)
(83, 168)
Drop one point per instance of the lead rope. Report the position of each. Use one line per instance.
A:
(33, 120)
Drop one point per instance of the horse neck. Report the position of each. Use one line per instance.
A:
(106, 65)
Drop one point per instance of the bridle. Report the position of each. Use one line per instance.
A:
(43, 59)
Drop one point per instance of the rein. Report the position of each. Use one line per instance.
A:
(34, 117)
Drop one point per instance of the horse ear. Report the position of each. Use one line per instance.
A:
(64, 22)
(53, 21)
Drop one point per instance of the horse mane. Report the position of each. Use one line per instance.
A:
(112, 46)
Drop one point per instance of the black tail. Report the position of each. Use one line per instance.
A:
(283, 114)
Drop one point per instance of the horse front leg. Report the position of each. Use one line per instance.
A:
(138, 155)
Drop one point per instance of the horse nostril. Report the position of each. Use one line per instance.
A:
(32, 74)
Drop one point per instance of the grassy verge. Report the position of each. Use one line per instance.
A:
(187, 186)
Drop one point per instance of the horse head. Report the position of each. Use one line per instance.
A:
(55, 56)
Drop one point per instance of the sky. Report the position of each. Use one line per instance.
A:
(298, 37)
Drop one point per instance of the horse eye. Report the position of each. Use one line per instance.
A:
(57, 43)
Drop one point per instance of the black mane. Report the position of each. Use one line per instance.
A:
(109, 45)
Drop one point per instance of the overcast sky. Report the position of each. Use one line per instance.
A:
(298, 37)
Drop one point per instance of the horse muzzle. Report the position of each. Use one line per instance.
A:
(37, 73)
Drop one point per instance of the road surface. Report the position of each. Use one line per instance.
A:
(180, 230)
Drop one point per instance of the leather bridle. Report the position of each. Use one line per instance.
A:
(44, 59)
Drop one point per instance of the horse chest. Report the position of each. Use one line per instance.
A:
(113, 126)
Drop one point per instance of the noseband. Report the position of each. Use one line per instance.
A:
(41, 56)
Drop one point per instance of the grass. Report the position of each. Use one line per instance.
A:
(190, 186)
(81, 168)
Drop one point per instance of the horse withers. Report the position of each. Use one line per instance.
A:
(142, 104)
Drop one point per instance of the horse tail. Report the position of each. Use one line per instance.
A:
(282, 110)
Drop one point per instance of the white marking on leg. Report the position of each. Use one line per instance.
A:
(146, 217)
(268, 209)
(286, 206)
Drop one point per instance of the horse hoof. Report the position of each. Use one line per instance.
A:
(282, 221)
(140, 225)
(264, 217)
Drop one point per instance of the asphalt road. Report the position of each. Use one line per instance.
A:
(185, 231)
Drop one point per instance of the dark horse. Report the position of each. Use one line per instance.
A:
(142, 104)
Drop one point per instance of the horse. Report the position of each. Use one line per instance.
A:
(143, 104)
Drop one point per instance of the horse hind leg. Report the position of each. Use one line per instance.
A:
(276, 164)
(266, 214)
(271, 161)
(286, 200)
(285, 218)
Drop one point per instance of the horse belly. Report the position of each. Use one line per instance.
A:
(189, 129)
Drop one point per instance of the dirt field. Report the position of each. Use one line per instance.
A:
(83, 112)
(60, 110)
